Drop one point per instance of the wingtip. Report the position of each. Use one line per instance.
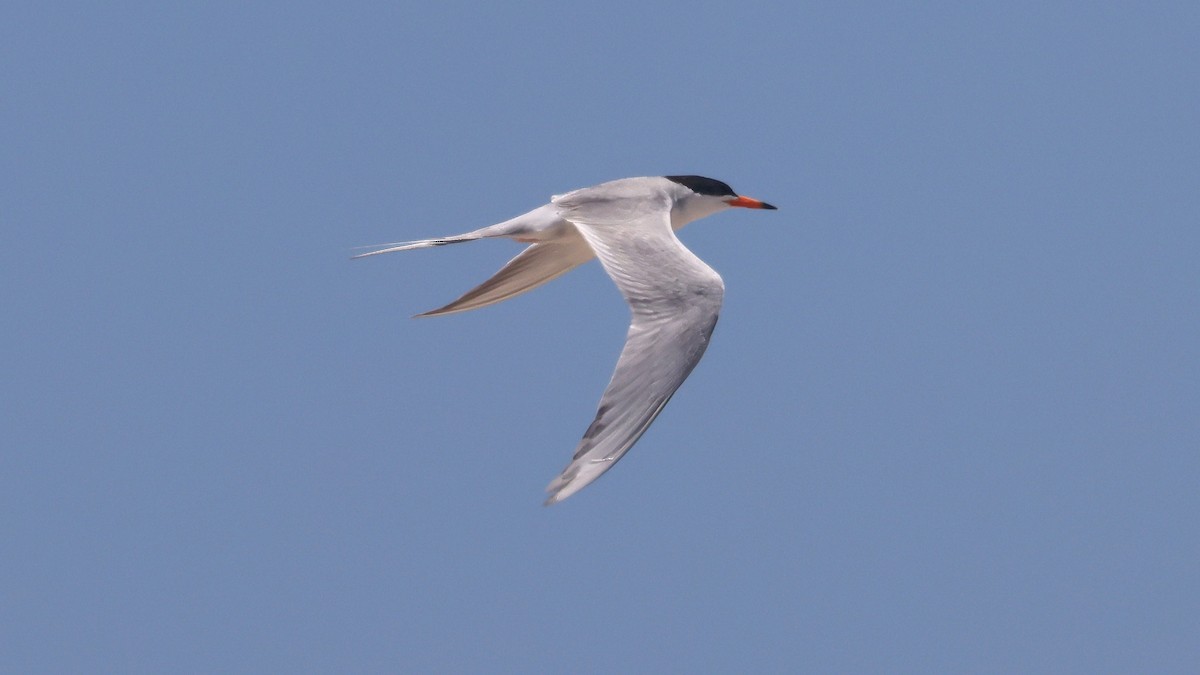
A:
(557, 491)
(433, 312)
(555, 495)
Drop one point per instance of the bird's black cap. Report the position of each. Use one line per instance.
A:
(704, 186)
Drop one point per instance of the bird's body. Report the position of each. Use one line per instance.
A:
(674, 298)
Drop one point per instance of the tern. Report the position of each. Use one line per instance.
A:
(674, 298)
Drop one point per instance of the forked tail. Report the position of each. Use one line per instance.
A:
(410, 245)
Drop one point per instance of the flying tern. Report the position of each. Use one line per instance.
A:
(674, 298)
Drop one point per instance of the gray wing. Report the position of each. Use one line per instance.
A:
(536, 265)
(674, 299)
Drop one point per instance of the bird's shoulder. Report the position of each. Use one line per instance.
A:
(650, 190)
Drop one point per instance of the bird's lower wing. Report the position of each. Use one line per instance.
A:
(657, 357)
(674, 299)
(533, 267)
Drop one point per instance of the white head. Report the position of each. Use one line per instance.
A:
(696, 197)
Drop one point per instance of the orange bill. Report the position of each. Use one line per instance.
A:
(749, 203)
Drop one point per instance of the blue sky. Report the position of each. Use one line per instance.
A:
(948, 422)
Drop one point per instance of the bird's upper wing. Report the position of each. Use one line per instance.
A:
(674, 298)
(536, 265)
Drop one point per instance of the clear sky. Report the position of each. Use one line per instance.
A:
(949, 421)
